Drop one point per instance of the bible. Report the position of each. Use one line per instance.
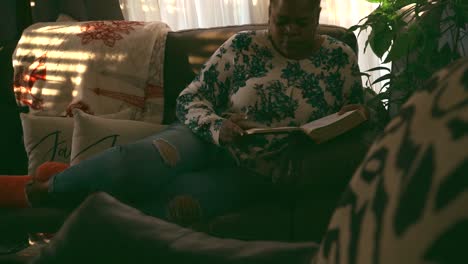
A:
(320, 130)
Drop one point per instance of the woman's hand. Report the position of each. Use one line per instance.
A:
(352, 107)
(230, 130)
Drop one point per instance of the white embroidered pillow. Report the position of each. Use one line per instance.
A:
(46, 139)
(50, 138)
(94, 134)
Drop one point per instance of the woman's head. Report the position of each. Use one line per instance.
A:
(292, 26)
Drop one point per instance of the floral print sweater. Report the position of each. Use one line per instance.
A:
(247, 75)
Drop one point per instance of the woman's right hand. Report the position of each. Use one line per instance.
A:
(230, 131)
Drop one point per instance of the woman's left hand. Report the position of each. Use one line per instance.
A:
(352, 107)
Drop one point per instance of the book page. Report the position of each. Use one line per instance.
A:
(325, 121)
(272, 130)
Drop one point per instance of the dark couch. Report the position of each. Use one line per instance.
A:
(287, 216)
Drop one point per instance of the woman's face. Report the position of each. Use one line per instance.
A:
(292, 26)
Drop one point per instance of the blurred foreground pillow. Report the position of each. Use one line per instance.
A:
(407, 202)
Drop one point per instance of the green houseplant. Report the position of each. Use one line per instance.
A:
(417, 37)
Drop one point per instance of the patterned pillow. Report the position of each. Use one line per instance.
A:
(49, 138)
(93, 134)
(46, 139)
(407, 202)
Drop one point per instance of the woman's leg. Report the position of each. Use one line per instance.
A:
(208, 193)
(134, 171)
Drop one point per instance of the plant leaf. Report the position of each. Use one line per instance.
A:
(380, 68)
(354, 28)
(380, 38)
(381, 78)
(399, 48)
(364, 74)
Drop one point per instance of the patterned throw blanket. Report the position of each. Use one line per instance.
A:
(102, 66)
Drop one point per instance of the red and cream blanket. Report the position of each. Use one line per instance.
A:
(106, 66)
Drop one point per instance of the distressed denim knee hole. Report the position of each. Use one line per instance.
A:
(168, 152)
(184, 210)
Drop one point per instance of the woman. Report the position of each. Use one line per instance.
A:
(286, 75)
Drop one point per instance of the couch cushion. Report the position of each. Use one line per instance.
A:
(188, 50)
(406, 203)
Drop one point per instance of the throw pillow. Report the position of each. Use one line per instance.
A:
(12, 191)
(406, 203)
(46, 139)
(50, 138)
(94, 134)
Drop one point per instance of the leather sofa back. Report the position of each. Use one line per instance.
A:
(187, 50)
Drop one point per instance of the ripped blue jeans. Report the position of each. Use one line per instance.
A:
(141, 176)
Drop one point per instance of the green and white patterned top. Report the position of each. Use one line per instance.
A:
(247, 75)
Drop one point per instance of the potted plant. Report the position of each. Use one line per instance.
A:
(417, 37)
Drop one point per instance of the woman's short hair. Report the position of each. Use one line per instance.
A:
(314, 2)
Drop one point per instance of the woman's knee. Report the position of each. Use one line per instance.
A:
(179, 143)
(168, 152)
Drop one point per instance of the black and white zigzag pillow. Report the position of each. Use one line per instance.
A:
(408, 201)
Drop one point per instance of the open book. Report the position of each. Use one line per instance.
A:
(322, 129)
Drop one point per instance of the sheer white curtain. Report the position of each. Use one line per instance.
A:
(347, 13)
(184, 14)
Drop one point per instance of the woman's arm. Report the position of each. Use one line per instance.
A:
(200, 104)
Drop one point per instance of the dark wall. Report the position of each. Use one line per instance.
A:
(7, 20)
(15, 15)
